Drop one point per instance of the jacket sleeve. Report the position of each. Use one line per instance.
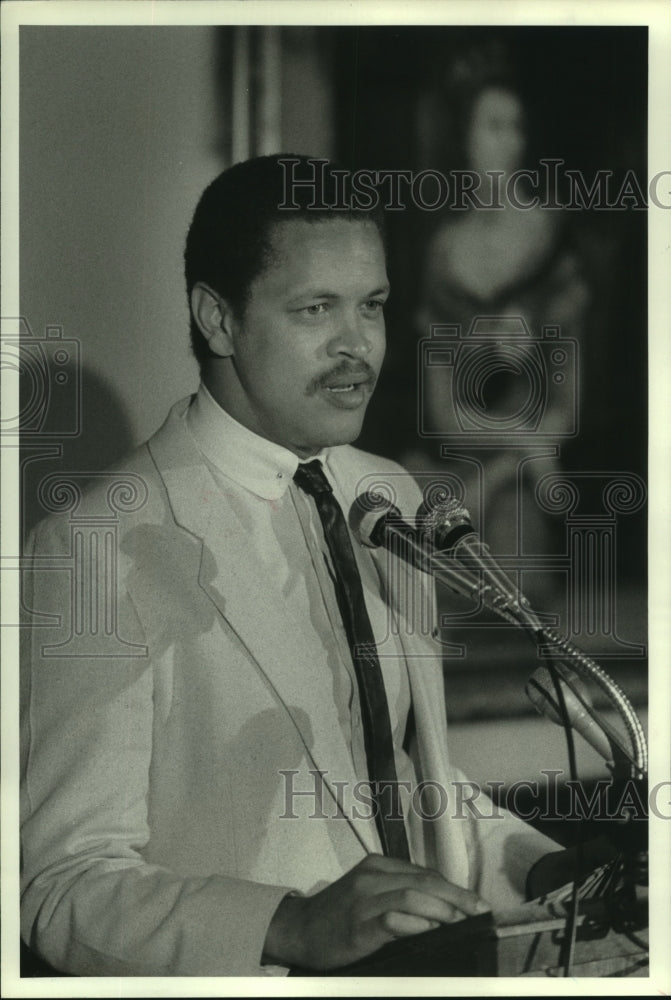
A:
(502, 847)
(91, 904)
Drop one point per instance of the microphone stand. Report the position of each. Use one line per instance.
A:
(509, 603)
(458, 558)
(480, 579)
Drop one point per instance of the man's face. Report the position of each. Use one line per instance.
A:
(308, 348)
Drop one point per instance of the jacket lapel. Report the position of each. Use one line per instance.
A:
(239, 587)
(427, 690)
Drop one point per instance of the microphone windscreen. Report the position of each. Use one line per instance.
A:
(446, 522)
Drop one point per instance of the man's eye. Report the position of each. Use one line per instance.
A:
(316, 308)
(375, 305)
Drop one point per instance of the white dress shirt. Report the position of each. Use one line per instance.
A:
(285, 533)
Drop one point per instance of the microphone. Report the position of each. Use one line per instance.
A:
(542, 693)
(449, 524)
(377, 523)
(448, 548)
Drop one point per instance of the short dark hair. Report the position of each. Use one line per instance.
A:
(229, 240)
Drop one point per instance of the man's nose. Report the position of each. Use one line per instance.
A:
(351, 339)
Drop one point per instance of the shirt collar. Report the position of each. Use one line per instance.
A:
(261, 466)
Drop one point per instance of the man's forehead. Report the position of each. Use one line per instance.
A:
(325, 231)
(326, 256)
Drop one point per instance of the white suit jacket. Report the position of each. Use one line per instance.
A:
(160, 703)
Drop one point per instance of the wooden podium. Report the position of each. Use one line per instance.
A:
(530, 941)
(526, 941)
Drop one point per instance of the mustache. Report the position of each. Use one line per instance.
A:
(357, 371)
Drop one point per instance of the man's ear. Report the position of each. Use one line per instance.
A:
(215, 319)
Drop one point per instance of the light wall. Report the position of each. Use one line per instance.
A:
(120, 129)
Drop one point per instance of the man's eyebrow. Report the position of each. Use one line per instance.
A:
(316, 293)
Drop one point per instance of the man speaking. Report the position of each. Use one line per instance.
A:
(262, 781)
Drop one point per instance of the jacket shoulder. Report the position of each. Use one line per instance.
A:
(130, 489)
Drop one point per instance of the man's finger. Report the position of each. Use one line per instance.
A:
(391, 875)
(464, 899)
(404, 924)
(414, 903)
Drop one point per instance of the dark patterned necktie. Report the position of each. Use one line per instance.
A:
(374, 709)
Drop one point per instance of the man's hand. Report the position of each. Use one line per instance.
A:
(378, 900)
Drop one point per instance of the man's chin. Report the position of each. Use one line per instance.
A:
(334, 436)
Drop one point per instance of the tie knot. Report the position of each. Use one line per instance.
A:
(311, 478)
